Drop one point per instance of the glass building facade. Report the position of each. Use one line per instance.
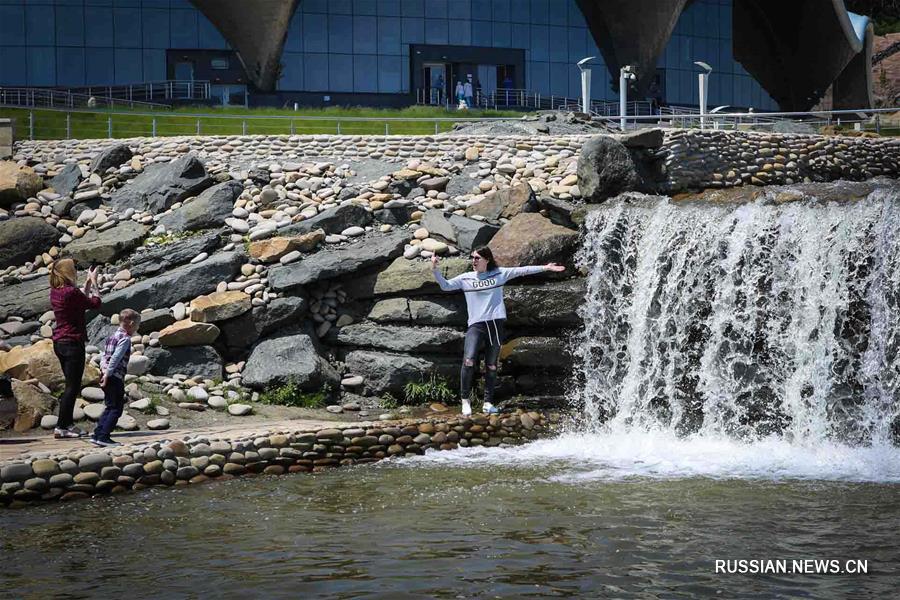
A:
(359, 46)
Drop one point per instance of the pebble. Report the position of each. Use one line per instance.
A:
(158, 424)
(239, 410)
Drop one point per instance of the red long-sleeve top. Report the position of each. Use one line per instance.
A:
(69, 305)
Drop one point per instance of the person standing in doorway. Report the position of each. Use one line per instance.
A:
(483, 287)
(469, 92)
(460, 93)
(69, 305)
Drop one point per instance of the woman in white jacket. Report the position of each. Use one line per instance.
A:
(483, 288)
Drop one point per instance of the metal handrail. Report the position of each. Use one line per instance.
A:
(51, 99)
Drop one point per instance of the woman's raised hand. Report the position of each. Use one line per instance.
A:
(434, 261)
(554, 267)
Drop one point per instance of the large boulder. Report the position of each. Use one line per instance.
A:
(188, 333)
(405, 276)
(466, 233)
(65, 182)
(272, 249)
(219, 306)
(149, 260)
(155, 320)
(183, 283)
(99, 328)
(241, 332)
(196, 361)
(550, 304)
(536, 353)
(448, 310)
(31, 405)
(162, 185)
(333, 220)
(25, 299)
(209, 209)
(390, 372)
(506, 203)
(38, 361)
(395, 215)
(24, 238)
(18, 184)
(530, 239)
(398, 338)
(290, 357)
(605, 169)
(113, 156)
(329, 263)
(107, 246)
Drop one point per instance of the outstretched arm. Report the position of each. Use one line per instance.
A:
(446, 284)
(513, 272)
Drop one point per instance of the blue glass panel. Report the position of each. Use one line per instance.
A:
(39, 26)
(540, 77)
(576, 37)
(481, 10)
(725, 21)
(365, 35)
(558, 15)
(292, 75)
(209, 35)
(294, 40)
(389, 36)
(686, 51)
(436, 31)
(314, 6)
(12, 25)
(460, 33)
(540, 49)
(41, 65)
(364, 7)
(559, 79)
(520, 35)
(340, 33)
(12, 65)
(388, 8)
(340, 7)
(412, 8)
(672, 50)
(575, 83)
(714, 96)
(576, 19)
(315, 33)
(99, 66)
(340, 72)
(540, 12)
(154, 64)
(127, 23)
(520, 11)
(502, 35)
(500, 10)
(711, 20)
(389, 74)
(481, 33)
(673, 87)
(700, 12)
(128, 66)
(413, 30)
(436, 9)
(69, 27)
(156, 28)
(315, 72)
(365, 73)
(184, 31)
(404, 82)
(559, 44)
(726, 87)
(460, 9)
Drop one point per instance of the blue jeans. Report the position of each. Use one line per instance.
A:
(71, 359)
(114, 398)
(486, 335)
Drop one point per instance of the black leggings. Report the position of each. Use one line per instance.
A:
(71, 358)
(489, 335)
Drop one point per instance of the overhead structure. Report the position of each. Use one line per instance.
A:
(256, 30)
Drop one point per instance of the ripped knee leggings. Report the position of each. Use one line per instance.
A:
(486, 335)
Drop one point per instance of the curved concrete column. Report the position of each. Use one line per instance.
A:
(796, 48)
(853, 88)
(632, 32)
(257, 30)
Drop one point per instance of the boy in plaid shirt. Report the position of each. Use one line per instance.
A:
(114, 365)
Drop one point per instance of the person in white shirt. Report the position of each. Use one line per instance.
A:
(483, 288)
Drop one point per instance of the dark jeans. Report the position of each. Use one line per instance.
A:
(71, 359)
(114, 399)
(487, 335)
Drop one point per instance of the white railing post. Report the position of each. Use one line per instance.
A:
(31, 125)
(109, 126)
(68, 126)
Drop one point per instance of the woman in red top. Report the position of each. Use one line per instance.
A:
(70, 334)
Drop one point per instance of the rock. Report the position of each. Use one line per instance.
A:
(468, 234)
(272, 249)
(243, 331)
(537, 353)
(448, 310)
(530, 239)
(560, 211)
(199, 361)
(155, 320)
(388, 372)
(49, 421)
(127, 423)
(352, 381)
(239, 410)
(66, 180)
(138, 364)
(398, 338)
(140, 405)
(16, 472)
(642, 138)
(396, 215)
(26, 299)
(32, 405)
(182, 283)
(605, 169)
(18, 184)
(149, 260)
(94, 462)
(334, 408)
(333, 220)
(188, 333)
(218, 306)
(197, 394)
(550, 304)
(434, 246)
(163, 184)
(337, 262)
(45, 468)
(113, 156)
(292, 356)
(209, 209)
(415, 276)
(217, 402)
(434, 183)
(506, 203)
(38, 361)
(106, 246)
(23, 238)
(94, 411)
(158, 424)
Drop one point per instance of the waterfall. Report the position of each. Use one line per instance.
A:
(747, 320)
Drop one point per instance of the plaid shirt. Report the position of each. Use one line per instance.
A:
(115, 357)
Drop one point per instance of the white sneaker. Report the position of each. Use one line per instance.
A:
(466, 407)
(489, 409)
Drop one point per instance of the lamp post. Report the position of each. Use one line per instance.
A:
(703, 80)
(585, 84)
(626, 74)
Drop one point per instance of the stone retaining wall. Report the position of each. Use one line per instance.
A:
(85, 473)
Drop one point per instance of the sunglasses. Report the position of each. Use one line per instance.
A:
(477, 258)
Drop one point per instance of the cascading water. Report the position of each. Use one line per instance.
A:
(744, 321)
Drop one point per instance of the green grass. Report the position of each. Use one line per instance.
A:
(291, 394)
(433, 389)
(226, 121)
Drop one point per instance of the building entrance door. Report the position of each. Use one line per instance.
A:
(435, 78)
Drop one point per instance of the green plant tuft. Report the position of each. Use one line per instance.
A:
(434, 388)
(291, 394)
